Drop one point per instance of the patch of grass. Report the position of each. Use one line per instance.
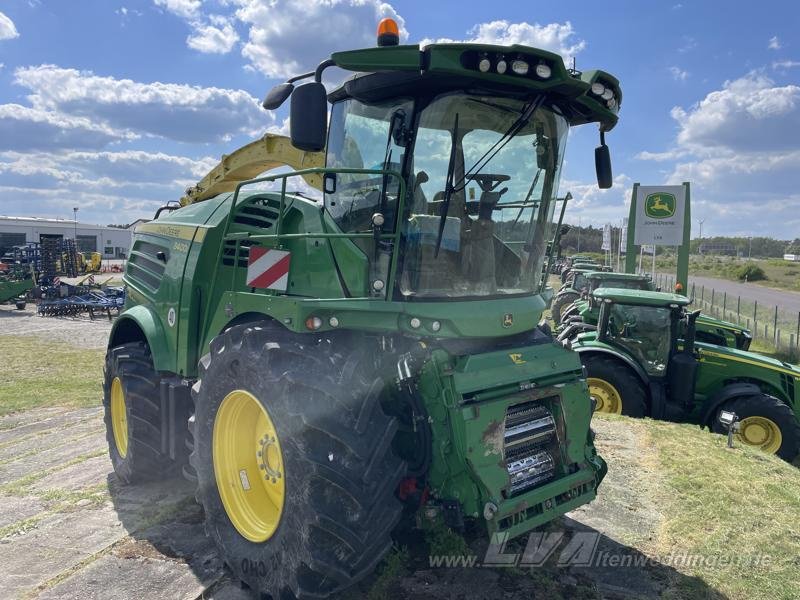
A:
(443, 541)
(735, 510)
(37, 373)
(390, 571)
(20, 527)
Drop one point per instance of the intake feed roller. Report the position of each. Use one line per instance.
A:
(509, 434)
(530, 430)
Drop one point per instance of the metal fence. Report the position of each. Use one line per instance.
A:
(770, 325)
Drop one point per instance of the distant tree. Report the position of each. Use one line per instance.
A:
(794, 247)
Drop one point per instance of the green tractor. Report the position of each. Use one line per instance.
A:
(584, 311)
(643, 359)
(319, 366)
(15, 284)
(587, 264)
(574, 286)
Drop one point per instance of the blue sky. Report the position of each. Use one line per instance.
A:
(117, 106)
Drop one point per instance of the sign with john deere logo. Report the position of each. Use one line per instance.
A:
(659, 206)
(659, 215)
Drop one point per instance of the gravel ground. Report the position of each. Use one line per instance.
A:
(80, 332)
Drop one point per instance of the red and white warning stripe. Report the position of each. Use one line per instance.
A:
(268, 268)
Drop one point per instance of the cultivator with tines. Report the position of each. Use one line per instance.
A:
(93, 304)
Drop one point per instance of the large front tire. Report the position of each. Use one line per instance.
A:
(614, 387)
(764, 422)
(134, 416)
(561, 302)
(293, 459)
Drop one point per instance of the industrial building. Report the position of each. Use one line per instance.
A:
(111, 242)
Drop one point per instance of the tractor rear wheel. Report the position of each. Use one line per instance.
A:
(133, 416)
(294, 459)
(561, 302)
(614, 387)
(764, 422)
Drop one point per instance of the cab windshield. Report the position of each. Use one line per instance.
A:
(644, 331)
(500, 159)
(488, 235)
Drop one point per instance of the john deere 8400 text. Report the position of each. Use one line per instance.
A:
(333, 357)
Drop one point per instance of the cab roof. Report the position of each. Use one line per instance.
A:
(394, 71)
(640, 297)
(617, 276)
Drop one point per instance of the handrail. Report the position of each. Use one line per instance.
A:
(279, 235)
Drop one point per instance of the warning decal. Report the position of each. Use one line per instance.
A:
(268, 268)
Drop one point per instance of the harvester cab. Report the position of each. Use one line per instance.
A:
(644, 359)
(378, 346)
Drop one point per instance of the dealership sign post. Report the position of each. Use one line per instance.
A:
(660, 216)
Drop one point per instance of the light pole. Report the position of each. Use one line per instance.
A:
(75, 216)
(749, 246)
(701, 221)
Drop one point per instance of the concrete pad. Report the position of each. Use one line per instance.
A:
(15, 508)
(23, 424)
(77, 477)
(54, 457)
(59, 543)
(44, 441)
(128, 579)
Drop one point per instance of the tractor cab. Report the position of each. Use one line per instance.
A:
(628, 281)
(644, 325)
(654, 334)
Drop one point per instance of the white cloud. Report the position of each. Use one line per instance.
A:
(216, 38)
(774, 43)
(211, 34)
(99, 170)
(785, 64)
(7, 29)
(26, 128)
(287, 37)
(678, 74)
(596, 206)
(747, 114)
(556, 37)
(187, 9)
(738, 147)
(108, 185)
(175, 111)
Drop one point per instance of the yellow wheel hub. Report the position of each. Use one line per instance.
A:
(761, 432)
(119, 417)
(248, 466)
(606, 396)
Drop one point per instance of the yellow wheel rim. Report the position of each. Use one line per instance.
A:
(606, 396)
(119, 417)
(761, 432)
(248, 466)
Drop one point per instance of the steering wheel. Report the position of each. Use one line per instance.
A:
(489, 181)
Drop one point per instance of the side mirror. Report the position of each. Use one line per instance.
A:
(602, 164)
(308, 117)
(277, 96)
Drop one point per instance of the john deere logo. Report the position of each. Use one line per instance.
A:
(508, 320)
(659, 206)
(517, 359)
